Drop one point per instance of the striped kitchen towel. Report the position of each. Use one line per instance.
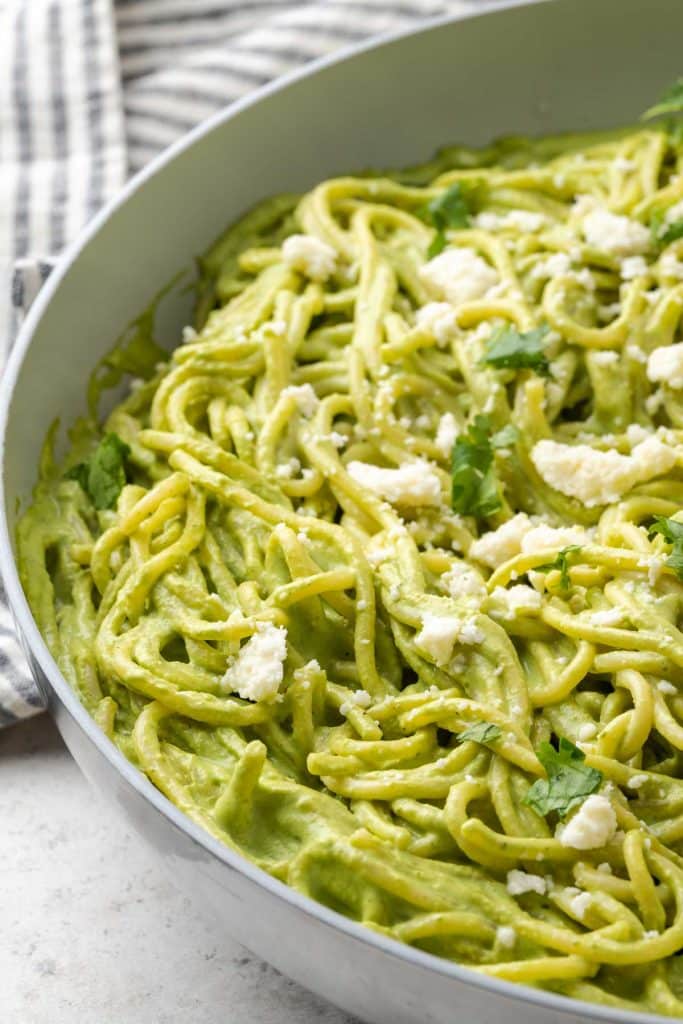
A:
(91, 90)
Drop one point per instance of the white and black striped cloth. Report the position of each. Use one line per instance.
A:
(90, 90)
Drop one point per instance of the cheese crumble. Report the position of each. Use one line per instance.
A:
(412, 484)
(599, 477)
(665, 365)
(459, 275)
(258, 670)
(592, 825)
(310, 256)
(615, 234)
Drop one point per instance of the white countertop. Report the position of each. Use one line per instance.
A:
(92, 932)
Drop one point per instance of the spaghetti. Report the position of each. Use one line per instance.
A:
(377, 579)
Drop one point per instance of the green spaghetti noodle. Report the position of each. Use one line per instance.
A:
(378, 579)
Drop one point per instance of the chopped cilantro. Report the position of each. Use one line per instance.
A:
(561, 563)
(672, 532)
(481, 732)
(476, 490)
(671, 102)
(437, 245)
(663, 233)
(448, 210)
(103, 475)
(509, 348)
(506, 437)
(569, 780)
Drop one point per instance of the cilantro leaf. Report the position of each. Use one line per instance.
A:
(475, 489)
(561, 563)
(672, 532)
(569, 780)
(481, 732)
(506, 437)
(103, 475)
(509, 348)
(448, 210)
(663, 233)
(437, 245)
(671, 102)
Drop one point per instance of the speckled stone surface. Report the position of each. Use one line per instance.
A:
(92, 932)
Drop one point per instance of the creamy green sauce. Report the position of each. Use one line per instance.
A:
(390, 599)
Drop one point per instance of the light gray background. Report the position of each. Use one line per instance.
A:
(92, 933)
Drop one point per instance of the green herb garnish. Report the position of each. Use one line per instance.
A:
(672, 532)
(481, 732)
(671, 102)
(569, 779)
(103, 475)
(476, 491)
(509, 348)
(663, 233)
(449, 210)
(561, 563)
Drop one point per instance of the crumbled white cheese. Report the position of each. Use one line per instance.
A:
(599, 477)
(540, 537)
(376, 554)
(654, 567)
(304, 396)
(633, 266)
(671, 266)
(356, 699)
(665, 364)
(286, 470)
(636, 781)
(310, 256)
(522, 220)
(636, 353)
(587, 731)
(438, 319)
(189, 335)
(635, 434)
(609, 311)
(506, 936)
(437, 636)
(674, 213)
(335, 437)
(518, 600)
(519, 882)
(497, 546)
(461, 581)
(604, 868)
(607, 357)
(579, 901)
(257, 671)
(459, 275)
(614, 233)
(446, 434)
(412, 484)
(552, 266)
(469, 633)
(592, 825)
(482, 332)
(607, 617)
(665, 687)
(584, 278)
(623, 164)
